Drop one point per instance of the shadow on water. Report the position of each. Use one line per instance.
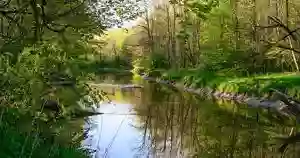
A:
(168, 123)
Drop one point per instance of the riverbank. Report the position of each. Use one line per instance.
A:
(28, 138)
(253, 91)
(258, 85)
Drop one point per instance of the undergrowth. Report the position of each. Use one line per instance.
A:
(16, 142)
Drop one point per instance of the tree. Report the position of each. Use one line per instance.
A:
(30, 21)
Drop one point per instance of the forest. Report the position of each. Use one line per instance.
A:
(50, 50)
(44, 71)
(233, 46)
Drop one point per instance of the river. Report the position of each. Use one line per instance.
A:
(159, 122)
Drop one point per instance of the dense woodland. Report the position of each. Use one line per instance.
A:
(195, 42)
(245, 35)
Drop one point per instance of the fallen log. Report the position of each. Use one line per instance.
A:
(292, 105)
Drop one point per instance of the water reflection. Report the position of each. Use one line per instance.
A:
(114, 135)
(175, 124)
(190, 126)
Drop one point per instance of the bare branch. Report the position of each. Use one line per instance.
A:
(5, 4)
(266, 27)
(275, 44)
(65, 13)
(50, 25)
(288, 48)
(286, 28)
(14, 11)
(70, 11)
(290, 33)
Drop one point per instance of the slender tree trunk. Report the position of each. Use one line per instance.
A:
(254, 34)
(149, 32)
(2, 26)
(289, 37)
(234, 6)
(174, 50)
(169, 37)
(221, 20)
(198, 41)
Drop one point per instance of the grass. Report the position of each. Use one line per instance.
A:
(253, 85)
(17, 143)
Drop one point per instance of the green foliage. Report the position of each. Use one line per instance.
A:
(202, 8)
(158, 61)
(220, 36)
(16, 142)
(42, 72)
(41, 44)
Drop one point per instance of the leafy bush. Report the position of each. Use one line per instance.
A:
(42, 72)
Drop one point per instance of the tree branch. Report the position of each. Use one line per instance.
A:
(65, 13)
(49, 24)
(280, 24)
(281, 46)
(266, 27)
(14, 11)
(5, 4)
(70, 11)
(11, 19)
(288, 48)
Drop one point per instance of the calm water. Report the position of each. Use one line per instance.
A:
(156, 121)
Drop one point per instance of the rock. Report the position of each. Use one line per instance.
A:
(216, 94)
(131, 86)
(256, 102)
(52, 105)
(239, 97)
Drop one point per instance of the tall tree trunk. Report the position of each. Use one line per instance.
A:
(149, 32)
(234, 6)
(254, 33)
(2, 26)
(174, 50)
(169, 37)
(289, 37)
(198, 41)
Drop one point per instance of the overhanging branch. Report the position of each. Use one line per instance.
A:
(280, 24)
(275, 44)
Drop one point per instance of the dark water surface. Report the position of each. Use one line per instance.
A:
(158, 122)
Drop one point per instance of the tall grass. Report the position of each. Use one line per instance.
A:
(18, 143)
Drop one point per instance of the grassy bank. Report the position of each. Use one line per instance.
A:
(253, 85)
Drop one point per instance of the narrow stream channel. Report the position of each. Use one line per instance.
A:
(158, 122)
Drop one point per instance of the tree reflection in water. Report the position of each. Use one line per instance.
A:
(183, 125)
(171, 123)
